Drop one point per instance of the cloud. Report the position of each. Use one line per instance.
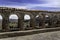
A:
(50, 5)
(29, 5)
(53, 3)
(14, 6)
(26, 17)
(46, 8)
(13, 16)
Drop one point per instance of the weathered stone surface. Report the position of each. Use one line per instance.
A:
(41, 36)
(6, 12)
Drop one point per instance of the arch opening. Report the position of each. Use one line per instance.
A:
(55, 21)
(27, 21)
(13, 22)
(47, 21)
(58, 21)
(37, 20)
(1, 19)
(26, 17)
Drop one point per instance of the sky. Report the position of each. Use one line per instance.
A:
(49, 5)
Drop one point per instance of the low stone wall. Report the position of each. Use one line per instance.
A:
(28, 32)
(41, 36)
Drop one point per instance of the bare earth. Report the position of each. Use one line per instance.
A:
(41, 36)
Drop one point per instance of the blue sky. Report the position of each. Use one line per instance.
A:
(50, 5)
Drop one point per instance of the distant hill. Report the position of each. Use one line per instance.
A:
(26, 20)
(13, 20)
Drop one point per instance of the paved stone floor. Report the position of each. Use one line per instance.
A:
(41, 36)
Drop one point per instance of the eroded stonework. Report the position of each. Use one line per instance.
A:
(52, 20)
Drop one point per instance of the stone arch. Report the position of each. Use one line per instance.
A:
(18, 14)
(58, 15)
(27, 19)
(49, 15)
(47, 20)
(20, 22)
(53, 20)
(3, 22)
(13, 15)
(37, 21)
(28, 13)
(40, 20)
(13, 22)
(58, 20)
(30, 20)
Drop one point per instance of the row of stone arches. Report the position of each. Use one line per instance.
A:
(13, 19)
(38, 21)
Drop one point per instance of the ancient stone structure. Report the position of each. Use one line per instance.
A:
(53, 18)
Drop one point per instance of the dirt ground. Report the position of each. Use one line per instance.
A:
(41, 36)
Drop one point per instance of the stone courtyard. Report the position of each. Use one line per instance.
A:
(41, 36)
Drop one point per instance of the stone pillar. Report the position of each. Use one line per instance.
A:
(40, 22)
(53, 21)
(43, 21)
(5, 24)
(20, 24)
(32, 23)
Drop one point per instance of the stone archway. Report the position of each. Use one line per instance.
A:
(57, 20)
(47, 21)
(13, 22)
(20, 20)
(37, 21)
(31, 21)
(27, 21)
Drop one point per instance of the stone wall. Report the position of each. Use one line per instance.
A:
(6, 12)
